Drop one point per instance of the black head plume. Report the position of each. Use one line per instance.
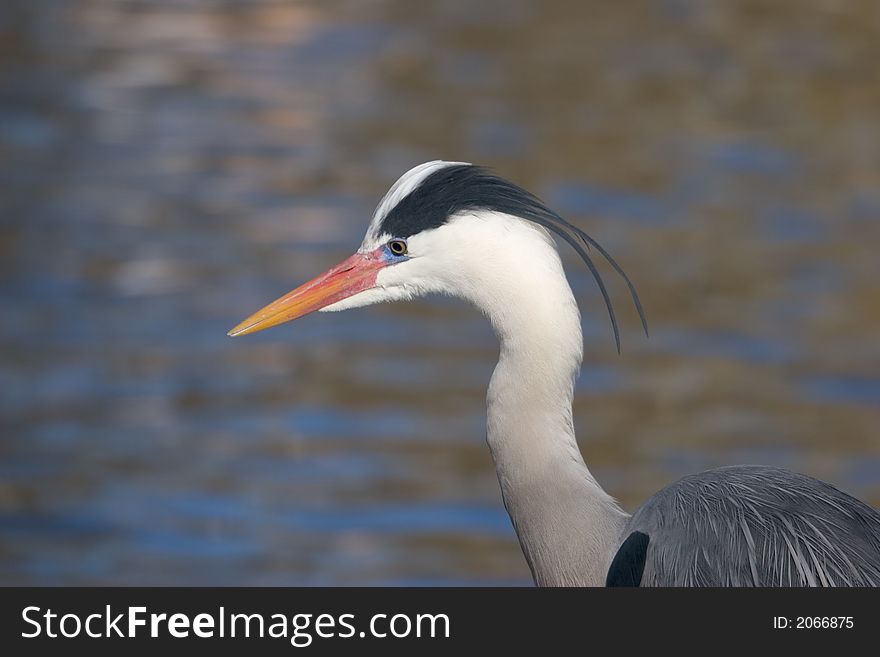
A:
(461, 187)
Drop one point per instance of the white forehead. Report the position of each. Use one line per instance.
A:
(404, 186)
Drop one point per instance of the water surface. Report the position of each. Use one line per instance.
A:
(168, 167)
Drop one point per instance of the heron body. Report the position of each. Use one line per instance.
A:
(456, 229)
(751, 525)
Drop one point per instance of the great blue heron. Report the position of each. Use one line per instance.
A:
(457, 229)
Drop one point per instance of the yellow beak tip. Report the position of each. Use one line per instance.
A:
(237, 330)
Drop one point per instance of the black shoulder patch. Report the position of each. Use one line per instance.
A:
(629, 562)
(453, 189)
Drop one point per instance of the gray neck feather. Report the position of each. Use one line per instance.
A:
(568, 527)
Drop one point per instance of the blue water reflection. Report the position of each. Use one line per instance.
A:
(169, 167)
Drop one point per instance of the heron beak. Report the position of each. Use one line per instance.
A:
(356, 274)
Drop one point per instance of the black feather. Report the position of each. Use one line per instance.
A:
(629, 562)
(461, 187)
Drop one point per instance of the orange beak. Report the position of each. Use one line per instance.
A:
(353, 275)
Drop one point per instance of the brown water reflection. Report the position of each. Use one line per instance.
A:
(167, 167)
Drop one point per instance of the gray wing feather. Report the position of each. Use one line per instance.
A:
(758, 526)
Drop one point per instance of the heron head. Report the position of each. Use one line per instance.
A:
(443, 227)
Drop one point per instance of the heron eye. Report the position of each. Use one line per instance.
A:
(398, 247)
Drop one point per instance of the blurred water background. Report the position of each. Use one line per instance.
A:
(168, 166)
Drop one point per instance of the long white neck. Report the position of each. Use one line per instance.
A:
(568, 527)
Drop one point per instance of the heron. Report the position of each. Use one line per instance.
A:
(457, 229)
